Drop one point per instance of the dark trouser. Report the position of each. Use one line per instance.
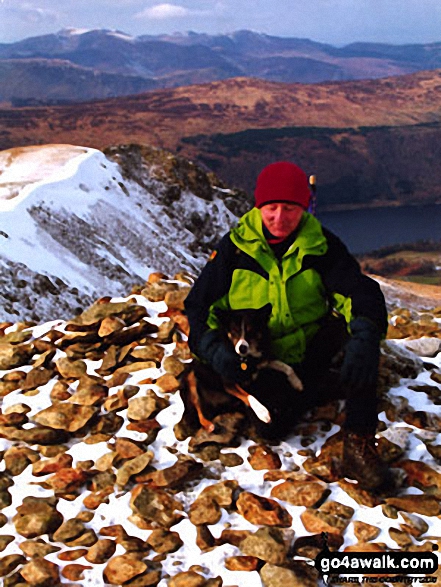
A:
(321, 382)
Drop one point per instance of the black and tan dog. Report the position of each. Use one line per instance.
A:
(206, 394)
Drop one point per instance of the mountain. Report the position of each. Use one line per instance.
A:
(75, 224)
(370, 142)
(166, 61)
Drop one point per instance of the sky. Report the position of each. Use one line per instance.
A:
(337, 22)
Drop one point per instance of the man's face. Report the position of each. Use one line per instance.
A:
(281, 218)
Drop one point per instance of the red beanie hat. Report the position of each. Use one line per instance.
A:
(282, 182)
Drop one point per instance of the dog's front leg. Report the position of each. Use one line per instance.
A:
(249, 400)
(283, 368)
(194, 396)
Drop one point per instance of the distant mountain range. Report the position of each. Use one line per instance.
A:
(75, 65)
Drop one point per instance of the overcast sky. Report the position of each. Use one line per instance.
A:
(332, 21)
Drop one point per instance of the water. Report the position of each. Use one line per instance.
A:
(366, 230)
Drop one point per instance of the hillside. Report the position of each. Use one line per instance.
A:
(372, 141)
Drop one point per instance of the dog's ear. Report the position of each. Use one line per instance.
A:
(222, 315)
(265, 311)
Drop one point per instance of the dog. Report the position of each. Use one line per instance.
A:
(207, 393)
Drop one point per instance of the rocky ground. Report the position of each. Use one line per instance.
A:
(101, 484)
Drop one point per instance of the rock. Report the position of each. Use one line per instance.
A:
(151, 352)
(37, 548)
(14, 355)
(126, 448)
(234, 537)
(37, 377)
(242, 563)
(365, 532)
(101, 551)
(359, 495)
(330, 517)
(204, 538)
(37, 516)
(18, 458)
(69, 530)
(414, 525)
(69, 369)
(173, 366)
(154, 508)
(267, 544)
(401, 538)
(230, 459)
(425, 346)
(262, 510)
(227, 428)
(302, 575)
(65, 416)
(142, 408)
(164, 541)
(40, 572)
(222, 493)
(416, 504)
(109, 325)
(184, 470)
(10, 562)
(204, 510)
(262, 457)
(123, 568)
(90, 395)
(311, 546)
(327, 465)
(74, 572)
(132, 467)
(5, 539)
(187, 579)
(46, 466)
(299, 493)
(66, 480)
(421, 475)
(168, 383)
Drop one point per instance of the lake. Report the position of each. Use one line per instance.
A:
(366, 230)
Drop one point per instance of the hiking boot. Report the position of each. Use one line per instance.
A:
(362, 462)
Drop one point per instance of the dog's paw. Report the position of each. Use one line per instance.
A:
(259, 409)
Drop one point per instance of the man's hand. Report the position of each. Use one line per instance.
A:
(224, 359)
(362, 355)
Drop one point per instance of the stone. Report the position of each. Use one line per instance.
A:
(37, 377)
(69, 530)
(154, 508)
(365, 532)
(109, 325)
(151, 352)
(14, 355)
(164, 541)
(10, 562)
(40, 572)
(142, 408)
(414, 525)
(266, 544)
(425, 346)
(123, 568)
(227, 428)
(234, 537)
(91, 395)
(52, 465)
(230, 459)
(132, 467)
(65, 416)
(331, 517)
(176, 476)
(242, 563)
(262, 457)
(204, 510)
(69, 369)
(5, 539)
(37, 516)
(222, 493)
(168, 383)
(401, 538)
(17, 458)
(126, 448)
(421, 475)
(74, 572)
(300, 493)
(416, 504)
(187, 579)
(204, 538)
(66, 480)
(301, 575)
(173, 366)
(361, 496)
(311, 546)
(101, 551)
(37, 548)
(262, 511)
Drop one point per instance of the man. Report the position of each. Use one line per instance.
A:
(282, 255)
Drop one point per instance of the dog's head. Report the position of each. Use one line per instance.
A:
(247, 330)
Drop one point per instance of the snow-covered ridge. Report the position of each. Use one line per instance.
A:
(69, 213)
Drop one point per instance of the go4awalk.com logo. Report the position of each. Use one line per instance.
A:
(397, 566)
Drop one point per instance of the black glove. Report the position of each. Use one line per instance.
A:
(224, 359)
(362, 354)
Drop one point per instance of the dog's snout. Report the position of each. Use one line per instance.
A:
(242, 347)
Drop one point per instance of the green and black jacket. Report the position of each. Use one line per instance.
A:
(315, 276)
